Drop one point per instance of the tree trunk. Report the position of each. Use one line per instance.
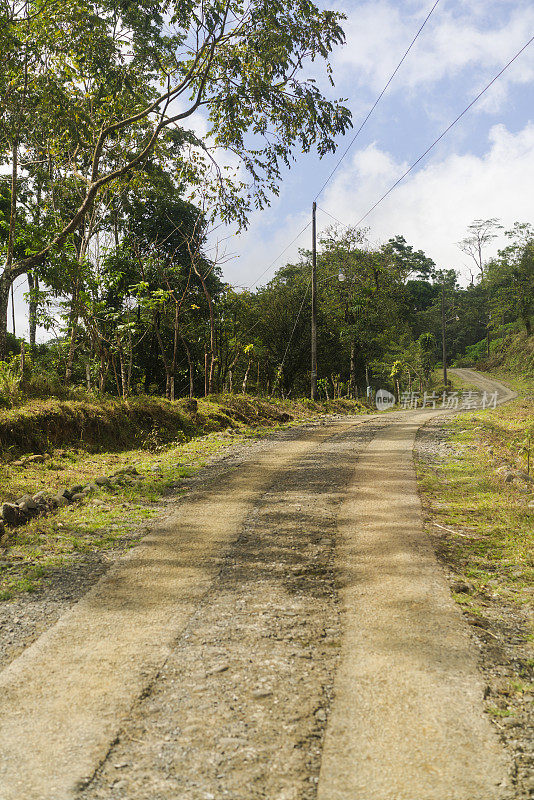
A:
(6, 279)
(116, 376)
(123, 372)
(352, 379)
(5, 285)
(166, 364)
(188, 354)
(73, 322)
(213, 336)
(33, 286)
(13, 310)
(245, 379)
(103, 372)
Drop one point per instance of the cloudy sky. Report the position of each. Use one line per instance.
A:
(483, 168)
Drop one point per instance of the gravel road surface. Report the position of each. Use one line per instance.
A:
(286, 633)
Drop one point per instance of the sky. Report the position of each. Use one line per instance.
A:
(484, 167)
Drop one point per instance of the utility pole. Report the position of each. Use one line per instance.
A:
(443, 345)
(313, 393)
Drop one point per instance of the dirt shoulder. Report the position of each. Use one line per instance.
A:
(479, 512)
(55, 559)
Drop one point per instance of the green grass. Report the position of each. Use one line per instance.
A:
(115, 518)
(490, 541)
(105, 424)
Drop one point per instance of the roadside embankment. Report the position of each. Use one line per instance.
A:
(476, 479)
(109, 424)
(152, 447)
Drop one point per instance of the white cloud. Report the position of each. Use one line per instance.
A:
(455, 39)
(431, 208)
(434, 206)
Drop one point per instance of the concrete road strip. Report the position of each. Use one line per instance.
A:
(63, 699)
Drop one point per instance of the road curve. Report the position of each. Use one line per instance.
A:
(204, 664)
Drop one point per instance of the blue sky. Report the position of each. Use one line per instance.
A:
(483, 168)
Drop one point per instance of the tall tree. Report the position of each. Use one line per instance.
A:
(510, 277)
(97, 83)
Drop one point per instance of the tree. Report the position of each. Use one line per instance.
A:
(410, 262)
(481, 233)
(510, 277)
(106, 79)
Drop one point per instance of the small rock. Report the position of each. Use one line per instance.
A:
(36, 459)
(125, 471)
(462, 587)
(65, 493)
(60, 501)
(10, 513)
(102, 481)
(90, 487)
(40, 498)
(79, 496)
(28, 500)
(75, 489)
(320, 715)
(259, 693)
(29, 510)
(218, 668)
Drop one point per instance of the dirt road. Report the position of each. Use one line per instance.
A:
(286, 634)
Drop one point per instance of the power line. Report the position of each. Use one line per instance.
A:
(280, 255)
(328, 214)
(354, 137)
(295, 325)
(440, 137)
(378, 99)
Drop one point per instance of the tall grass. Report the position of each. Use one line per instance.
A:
(9, 384)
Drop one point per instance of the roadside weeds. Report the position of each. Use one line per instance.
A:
(483, 531)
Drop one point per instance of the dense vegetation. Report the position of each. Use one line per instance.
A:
(153, 317)
(108, 202)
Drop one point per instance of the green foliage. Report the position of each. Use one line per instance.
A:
(10, 378)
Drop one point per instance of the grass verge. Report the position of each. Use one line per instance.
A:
(114, 518)
(483, 529)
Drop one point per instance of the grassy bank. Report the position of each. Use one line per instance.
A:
(482, 523)
(108, 424)
(467, 493)
(174, 444)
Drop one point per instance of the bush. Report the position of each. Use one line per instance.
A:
(9, 384)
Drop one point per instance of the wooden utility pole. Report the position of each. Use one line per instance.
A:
(443, 345)
(313, 392)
